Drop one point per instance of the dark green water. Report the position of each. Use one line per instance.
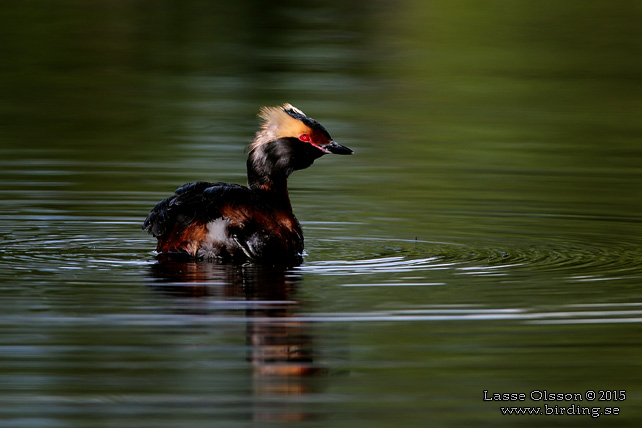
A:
(486, 235)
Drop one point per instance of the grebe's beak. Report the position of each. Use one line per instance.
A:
(337, 149)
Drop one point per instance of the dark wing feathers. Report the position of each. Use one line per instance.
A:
(200, 201)
(259, 231)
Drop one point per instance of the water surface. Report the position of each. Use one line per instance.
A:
(486, 235)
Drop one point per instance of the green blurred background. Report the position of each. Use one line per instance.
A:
(485, 235)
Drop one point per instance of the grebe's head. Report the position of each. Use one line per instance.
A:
(288, 141)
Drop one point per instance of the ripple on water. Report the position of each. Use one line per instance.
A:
(65, 247)
(575, 261)
(235, 312)
(67, 243)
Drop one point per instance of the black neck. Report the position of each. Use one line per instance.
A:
(270, 164)
(260, 178)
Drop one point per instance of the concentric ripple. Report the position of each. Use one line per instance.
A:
(64, 243)
(569, 260)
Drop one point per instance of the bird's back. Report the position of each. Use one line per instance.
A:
(225, 221)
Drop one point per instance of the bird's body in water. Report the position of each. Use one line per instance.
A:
(255, 223)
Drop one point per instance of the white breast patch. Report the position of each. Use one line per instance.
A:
(217, 232)
(217, 239)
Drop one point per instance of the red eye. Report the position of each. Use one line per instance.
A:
(305, 138)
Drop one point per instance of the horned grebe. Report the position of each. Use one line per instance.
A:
(256, 223)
